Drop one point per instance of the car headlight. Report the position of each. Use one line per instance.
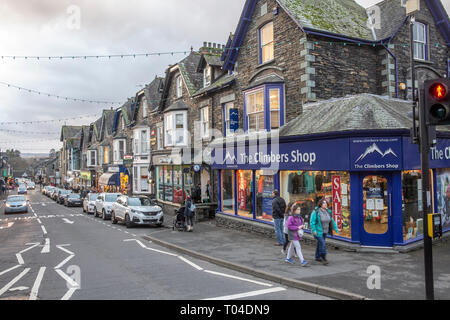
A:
(8, 205)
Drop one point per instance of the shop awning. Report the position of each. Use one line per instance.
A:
(108, 179)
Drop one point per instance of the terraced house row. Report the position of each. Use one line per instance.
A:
(331, 88)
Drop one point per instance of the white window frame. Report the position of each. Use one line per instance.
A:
(137, 180)
(117, 149)
(144, 106)
(90, 158)
(204, 123)
(256, 112)
(272, 110)
(420, 44)
(179, 84)
(206, 76)
(141, 144)
(160, 136)
(171, 130)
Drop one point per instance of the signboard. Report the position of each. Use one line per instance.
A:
(234, 119)
(268, 187)
(114, 169)
(337, 200)
(376, 154)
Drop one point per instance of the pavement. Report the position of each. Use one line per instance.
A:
(349, 275)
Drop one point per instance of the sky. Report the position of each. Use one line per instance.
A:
(101, 27)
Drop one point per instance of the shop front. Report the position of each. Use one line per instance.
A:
(115, 179)
(372, 182)
(86, 179)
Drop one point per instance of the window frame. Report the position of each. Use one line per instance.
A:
(226, 117)
(207, 76)
(261, 44)
(160, 136)
(179, 86)
(174, 131)
(419, 42)
(204, 123)
(267, 111)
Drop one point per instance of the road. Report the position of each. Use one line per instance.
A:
(59, 253)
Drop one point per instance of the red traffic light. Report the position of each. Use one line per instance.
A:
(438, 91)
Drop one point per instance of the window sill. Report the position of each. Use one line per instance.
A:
(265, 63)
(423, 61)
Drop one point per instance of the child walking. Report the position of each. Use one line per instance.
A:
(295, 223)
(287, 214)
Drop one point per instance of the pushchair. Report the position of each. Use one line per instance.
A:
(179, 222)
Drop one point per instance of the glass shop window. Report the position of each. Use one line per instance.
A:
(244, 193)
(412, 204)
(443, 196)
(265, 185)
(228, 191)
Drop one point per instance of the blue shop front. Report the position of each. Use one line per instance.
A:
(372, 181)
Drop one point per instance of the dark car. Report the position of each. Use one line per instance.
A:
(73, 200)
(61, 194)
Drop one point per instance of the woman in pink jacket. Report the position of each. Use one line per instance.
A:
(295, 223)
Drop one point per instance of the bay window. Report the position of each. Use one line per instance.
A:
(141, 141)
(175, 128)
(266, 43)
(255, 110)
(92, 158)
(119, 149)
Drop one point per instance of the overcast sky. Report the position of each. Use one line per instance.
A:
(50, 27)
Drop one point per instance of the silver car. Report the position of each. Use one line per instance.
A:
(104, 203)
(137, 211)
(89, 202)
(15, 204)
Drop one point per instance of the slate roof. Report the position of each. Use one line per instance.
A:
(344, 17)
(153, 93)
(108, 121)
(128, 110)
(69, 132)
(188, 69)
(178, 105)
(351, 113)
(210, 59)
(219, 83)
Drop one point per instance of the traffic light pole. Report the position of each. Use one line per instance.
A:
(426, 195)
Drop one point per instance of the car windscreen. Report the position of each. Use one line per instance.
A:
(135, 202)
(16, 199)
(74, 196)
(65, 192)
(93, 197)
(111, 197)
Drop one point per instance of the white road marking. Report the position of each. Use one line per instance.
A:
(13, 281)
(20, 259)
(239, 278)
(37, 284)
(44, 230)
(64, 261)
(46, 248)
(9, 225)
(39, 220)
(18, 289)
(10, 269)
(151, 249)
(67, 221)
(69, 294)
(61, 247)
(68, 279)
(247, 294)
(34, 244)
(191, 263)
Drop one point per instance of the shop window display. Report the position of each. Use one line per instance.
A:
(443, 196)
(228, 191)
(265, 186)
(244, 193)
(375, 205)
(308, 187)
(412, 204)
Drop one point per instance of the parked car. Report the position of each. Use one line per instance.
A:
(47, 190)
(137, 211)
(61, 194)
(22, 189)
(16, 203)
(31, 185)
(104, 203)
(73, 200)
(89, 202)
(54, 193)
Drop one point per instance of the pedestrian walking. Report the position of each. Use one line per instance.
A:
(189, 214)
(322, 223)
(287, 214)
(295, 232)
(278, 209)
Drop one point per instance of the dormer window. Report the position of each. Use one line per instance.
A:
(206, 76)
(179, 87)
(123, 123)
(266, 43)
(144, 106)
(420, 41)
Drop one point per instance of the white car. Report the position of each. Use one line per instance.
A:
(31, 185)
(136, 211)
(89, 202)
(103, 204)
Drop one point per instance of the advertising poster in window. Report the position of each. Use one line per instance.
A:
(337, 201)
(443, 196)
(268, 187)
(242, 186)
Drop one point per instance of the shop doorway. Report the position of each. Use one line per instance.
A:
(376, 210)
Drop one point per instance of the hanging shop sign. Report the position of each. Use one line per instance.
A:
(376, 153)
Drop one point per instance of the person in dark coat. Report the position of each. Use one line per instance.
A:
(278, 210)
(189, 214)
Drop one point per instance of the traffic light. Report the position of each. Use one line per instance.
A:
(437, 101)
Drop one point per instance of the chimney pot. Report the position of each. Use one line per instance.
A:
(209, 44)
(214, 45)
(204, 43)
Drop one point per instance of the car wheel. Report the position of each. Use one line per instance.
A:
(113, 218)
(128, 222)
(95, 212)
(84, 210)
(103, 214)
